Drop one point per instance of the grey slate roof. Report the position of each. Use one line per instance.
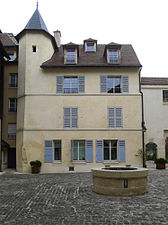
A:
(94, 59)
(36, 22)
(8, 40)
(154, 81)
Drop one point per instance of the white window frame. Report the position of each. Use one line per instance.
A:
(60, 160)
(13, 77)
(12, 135)
(110, 148)
(113, 56)
(12, 105)
(70, 56)
(80, 160)
(71, 92)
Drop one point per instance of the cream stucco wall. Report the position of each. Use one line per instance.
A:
(8, 117)
(40, 109)
(155, 116)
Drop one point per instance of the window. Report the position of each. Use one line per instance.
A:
(165, 95)
(70, 117)
(70, 85)
(115, 117)
(107, 150)
(11, 57)
(110, 149)
(70, 57)
(57, 150)
(82, 150)
(12, 105)
(13, 80)
(34, 48)
(52, 151)
(78, 150)
(113, 85)
(90, 47)
(12, 131)
(113, 56)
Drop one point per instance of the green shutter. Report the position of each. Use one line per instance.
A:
(103, 84)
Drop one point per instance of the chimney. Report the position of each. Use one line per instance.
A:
(57, 36)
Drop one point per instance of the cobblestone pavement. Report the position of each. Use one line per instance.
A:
(27, 199)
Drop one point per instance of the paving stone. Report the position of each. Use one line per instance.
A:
(66, 199)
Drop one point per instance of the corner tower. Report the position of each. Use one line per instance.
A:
(36, 45)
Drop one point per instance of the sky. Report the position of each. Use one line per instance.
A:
(142, 23)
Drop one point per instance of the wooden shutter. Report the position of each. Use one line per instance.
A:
(59, 84)
(125, 84)
(111, 117)
(48, 151)
(72, 150)
(103, 84)
(118, 117)
(67, 115)
(74, 117)
(99, 151)
(121, 151)
(81, 84)
(89, 150)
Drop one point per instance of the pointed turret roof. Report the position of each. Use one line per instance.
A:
(36, 22)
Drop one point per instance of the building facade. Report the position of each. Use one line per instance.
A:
(9, 101)
(78, 106)
(155, 92)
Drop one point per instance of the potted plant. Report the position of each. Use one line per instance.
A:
(160, 163)
(35, 165)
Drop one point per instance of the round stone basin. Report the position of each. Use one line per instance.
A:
(120, 181)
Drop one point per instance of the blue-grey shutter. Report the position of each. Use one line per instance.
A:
(118, 117)
(103, 84)
(81, 84)
(72, 150)
(48, 151)
(111, 117)
(59, 84)
(121, 151)
(89, 150)
(125, 84)
(74, 117)
(99, 151)
(67, 115)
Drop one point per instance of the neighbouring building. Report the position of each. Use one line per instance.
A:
(155, 92)
(79, 106)
(10, 77)
(3, 56)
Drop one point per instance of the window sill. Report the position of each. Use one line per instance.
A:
(111, 161)
(57, 161)
(79, 161)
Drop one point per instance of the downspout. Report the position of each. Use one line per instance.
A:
(143, 122)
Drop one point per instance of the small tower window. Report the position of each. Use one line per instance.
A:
(34, 48)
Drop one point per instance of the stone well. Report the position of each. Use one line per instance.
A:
(120, 181)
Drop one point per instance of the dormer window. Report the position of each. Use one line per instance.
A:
(70, 56)
(90, 45)
(113, 56)
(11, 57)
(112, 53)
(70, 53)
